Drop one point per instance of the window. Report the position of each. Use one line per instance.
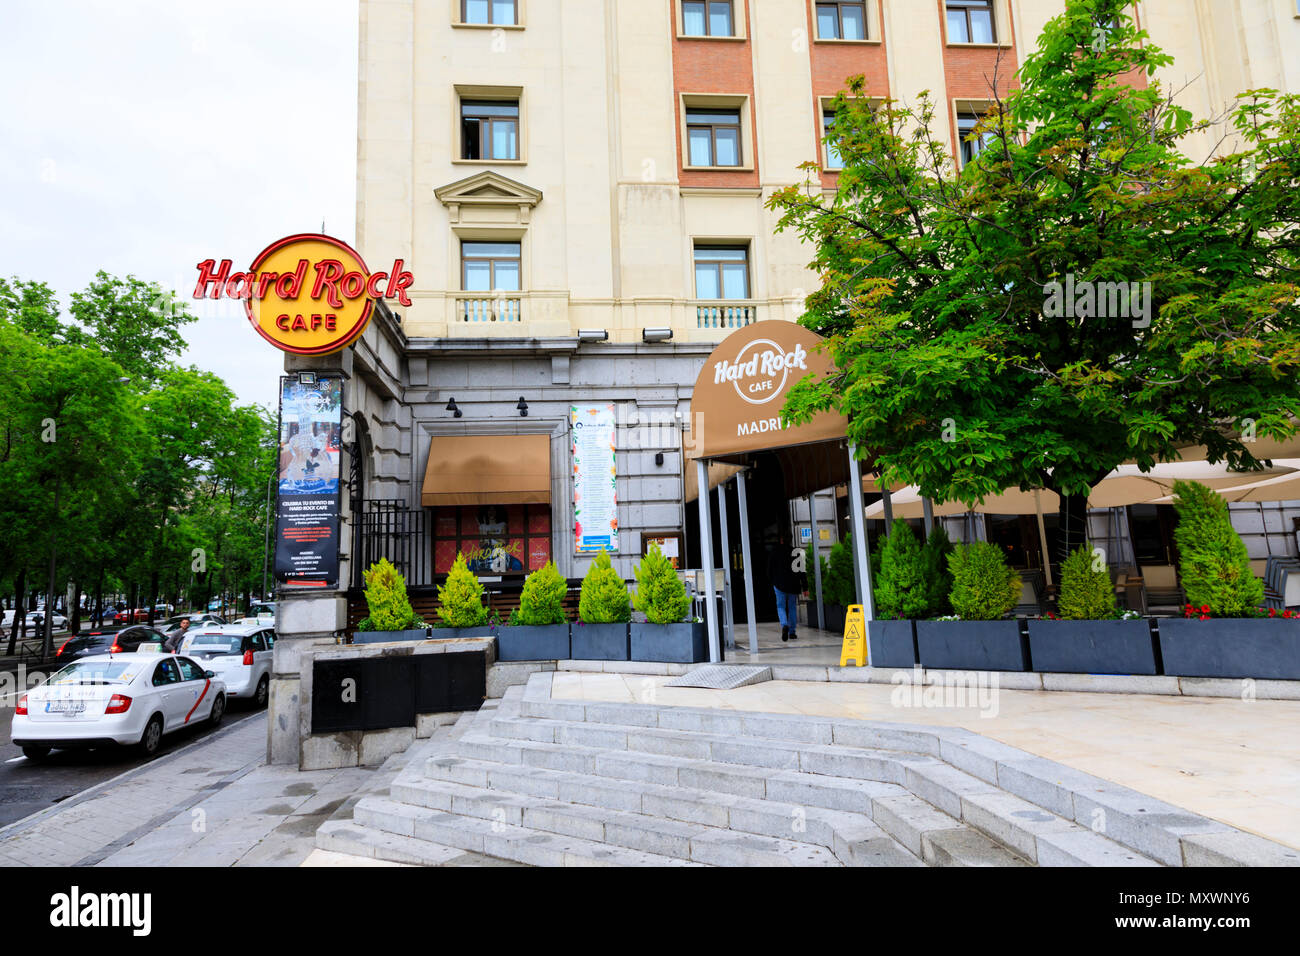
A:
(713, 137)
(489, 129)
(166, 673)
(495, 539)
(494, 12)
(970, 148)
(190, 670)
(970, 21)
(490, 266)
(707, 18)
(841, 21)
(721, 272)
(833, 158)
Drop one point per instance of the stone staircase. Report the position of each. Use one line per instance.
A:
(561, 783)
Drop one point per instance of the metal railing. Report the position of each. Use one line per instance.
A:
(389, 529)
(489, 309)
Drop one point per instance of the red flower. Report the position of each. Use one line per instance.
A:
(1272, 612)
(1205, 609)
(1205, 617)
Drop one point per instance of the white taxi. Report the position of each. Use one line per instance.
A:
(240, 654)
(123, 699)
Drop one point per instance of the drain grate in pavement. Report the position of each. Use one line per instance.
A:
(722, 676)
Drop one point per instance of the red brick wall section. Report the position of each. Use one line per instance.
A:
(969, 72)
(714, 66)
(833, 63)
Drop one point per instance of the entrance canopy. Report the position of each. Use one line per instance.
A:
(737, 402)
(488, 470)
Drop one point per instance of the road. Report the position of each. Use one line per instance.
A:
(26, 787)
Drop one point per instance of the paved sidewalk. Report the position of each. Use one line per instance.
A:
(1236, 761)
(211, 803)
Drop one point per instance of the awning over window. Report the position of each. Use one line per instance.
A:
(487, 470)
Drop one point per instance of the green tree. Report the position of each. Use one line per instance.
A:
(938, 579)
(1212, 559)
(604, 598)
(839, 586)
(962, 369)
(136, 323)
(461, 597)
(660, 594)
(1086, 590)
(390, 609)
(902, 591)
(542, 600)
(983, 587)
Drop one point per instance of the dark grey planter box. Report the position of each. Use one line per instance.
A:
(1264, 648)
(1092, 647)
(891, 643)
(683, 643)
(385, 637)
(525, 642)
(835, 618)
(598, 642)
(971, 645)
(455, 633)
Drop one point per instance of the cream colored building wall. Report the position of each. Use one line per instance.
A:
(610, 243)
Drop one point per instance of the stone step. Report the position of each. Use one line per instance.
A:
(636, 831)
(826, 780)
(852, 838)
(345, 836)
(496, 839)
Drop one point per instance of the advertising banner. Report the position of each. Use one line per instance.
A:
(595, 502)
(307, 523)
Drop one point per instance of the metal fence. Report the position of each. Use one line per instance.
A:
(390, 529)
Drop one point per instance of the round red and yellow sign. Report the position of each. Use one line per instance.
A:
(312, 294)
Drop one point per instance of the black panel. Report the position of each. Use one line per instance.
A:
(382, 695)
(450, 682)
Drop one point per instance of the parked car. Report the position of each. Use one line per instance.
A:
(36, 619)
(117, 699)
(108, 641)
(127, 616)
(263, 611)
(240, 654)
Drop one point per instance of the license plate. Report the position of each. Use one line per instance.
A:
(69, 708)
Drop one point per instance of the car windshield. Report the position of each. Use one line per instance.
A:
(220, 643)
(94, 672)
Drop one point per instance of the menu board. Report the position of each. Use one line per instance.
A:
(595, 501)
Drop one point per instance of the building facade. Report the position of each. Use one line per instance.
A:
(579, 188)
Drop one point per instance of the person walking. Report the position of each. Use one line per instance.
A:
(787, 583)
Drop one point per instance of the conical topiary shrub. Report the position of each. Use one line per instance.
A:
(839, 585)
(901, 591)
(1213, 560)
(461, 597)
(1086, 592)
(390, 609)
(660, 594)
(938, 579)
(542, 600)
(983, 587)
(604, 598)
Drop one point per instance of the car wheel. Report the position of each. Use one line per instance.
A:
(36, 753)
(263, 691)
(218, 710)
(152, 736)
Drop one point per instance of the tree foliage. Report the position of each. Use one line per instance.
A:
(390, 609)
(902, 591)
(542, 600)
(1213, 561)
(1086, 590)
(460, 597)
(604, 598)
(660, 594)
(960, 367)
(983, 587)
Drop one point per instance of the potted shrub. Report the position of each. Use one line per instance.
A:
(984, 591)
(812, 588)
(460, 605)
(667, 634)
(903, 594)
(391, 616)
(1091, 636)
(838, 587)
(604, 610)
(1224, 632)
(538, 629)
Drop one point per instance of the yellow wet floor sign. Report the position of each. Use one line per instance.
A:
(855, 637)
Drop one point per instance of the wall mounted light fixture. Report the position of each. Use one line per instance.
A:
(523, 407)
(451, 407)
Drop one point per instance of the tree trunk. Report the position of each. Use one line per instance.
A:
(74, 617)
(99, 599)
(153, 593)
(1072, 527)
(19, 614)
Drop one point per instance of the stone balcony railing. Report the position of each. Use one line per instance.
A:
(725, 314)
(491, 308)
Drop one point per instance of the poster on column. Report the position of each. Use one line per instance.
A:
(307, 512)
(595, 502)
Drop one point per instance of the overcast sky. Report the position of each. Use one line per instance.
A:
(143, 136)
